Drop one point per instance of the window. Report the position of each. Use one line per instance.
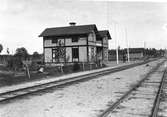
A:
(74, 39)
(58, 54)
(75, 54)
(54, 40)
(55, 55)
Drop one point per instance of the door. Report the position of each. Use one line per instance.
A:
(75, 54)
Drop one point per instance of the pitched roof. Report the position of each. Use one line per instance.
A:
(104, 33)
(69, 30)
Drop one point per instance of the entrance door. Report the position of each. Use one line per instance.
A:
(75, 54)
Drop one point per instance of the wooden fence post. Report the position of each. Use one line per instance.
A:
(61, 68)
(28, 71)
(83, 66)
(26, 63)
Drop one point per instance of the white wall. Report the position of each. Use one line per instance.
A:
(48, 42)
(92, 43)
(69, 54)
(91, 38)
(81, 41)
(83, 54)
(48, 54)
(68, 42)
(105, 41)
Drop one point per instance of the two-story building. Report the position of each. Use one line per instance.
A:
(75, 43)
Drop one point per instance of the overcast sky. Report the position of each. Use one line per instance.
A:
(21, 21)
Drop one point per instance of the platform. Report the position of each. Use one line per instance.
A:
(51, 79)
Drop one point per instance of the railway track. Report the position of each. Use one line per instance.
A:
(6, 96)
(116, 104)
(159, 95)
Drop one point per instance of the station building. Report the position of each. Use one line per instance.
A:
(75, 43)
(136, 53)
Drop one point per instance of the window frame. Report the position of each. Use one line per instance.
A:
(54, 41)
(57, 58)
(75, 39)
(75, 54)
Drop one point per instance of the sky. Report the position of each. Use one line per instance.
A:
(131, 24)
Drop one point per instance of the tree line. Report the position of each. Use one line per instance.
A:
(15, 62)
(152, 52)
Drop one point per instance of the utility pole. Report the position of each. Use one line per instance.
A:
(127, 42)
(117, 55)
(116, 44)
(144, 48)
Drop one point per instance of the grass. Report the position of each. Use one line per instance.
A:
(8, 77)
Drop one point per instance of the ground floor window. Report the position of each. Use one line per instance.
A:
(58, 54)
(75, 54)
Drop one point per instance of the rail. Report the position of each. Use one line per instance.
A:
(158, 96)
(120, 100)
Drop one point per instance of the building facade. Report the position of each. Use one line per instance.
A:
(136, 53)
(83, 43)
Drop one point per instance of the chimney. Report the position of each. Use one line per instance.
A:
(72, 23)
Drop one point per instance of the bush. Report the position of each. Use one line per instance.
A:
(52, 70)
(14, 63)
(34, 66)
(76, 67)
(68, 68)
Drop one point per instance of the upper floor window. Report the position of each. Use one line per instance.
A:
(54, 40)
(74, 39)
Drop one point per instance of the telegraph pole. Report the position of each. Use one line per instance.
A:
(144, 49)
(116, 44)
(127, 42)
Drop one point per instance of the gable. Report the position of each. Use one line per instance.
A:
(104, 33)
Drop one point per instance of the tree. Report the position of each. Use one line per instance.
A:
(16, 62)
(36, 55)
(21, 53)
(1, 48)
